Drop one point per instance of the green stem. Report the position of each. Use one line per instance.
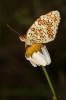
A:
(48, 79)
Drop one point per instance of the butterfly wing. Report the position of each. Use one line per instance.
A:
(55, 15)
(44, 29)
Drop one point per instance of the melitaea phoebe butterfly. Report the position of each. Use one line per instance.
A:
(43, 30)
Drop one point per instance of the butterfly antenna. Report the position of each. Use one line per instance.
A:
(13, 30)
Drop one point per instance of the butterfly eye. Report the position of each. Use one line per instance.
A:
(21, 38)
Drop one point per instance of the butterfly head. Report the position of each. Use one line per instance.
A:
(22, 38)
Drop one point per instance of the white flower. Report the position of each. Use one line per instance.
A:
(40, 58)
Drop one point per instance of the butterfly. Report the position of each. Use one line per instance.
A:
(43, 30)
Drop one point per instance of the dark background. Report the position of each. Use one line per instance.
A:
(19, 80)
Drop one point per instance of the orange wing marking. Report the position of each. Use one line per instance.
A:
(40, 30)
(40, 21)
(41, 36)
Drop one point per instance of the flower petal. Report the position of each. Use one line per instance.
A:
(46, 55)
(34, 64)
(39, 59)
(33, 60)
(40, 54)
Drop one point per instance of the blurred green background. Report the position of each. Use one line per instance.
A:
(19, 80)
